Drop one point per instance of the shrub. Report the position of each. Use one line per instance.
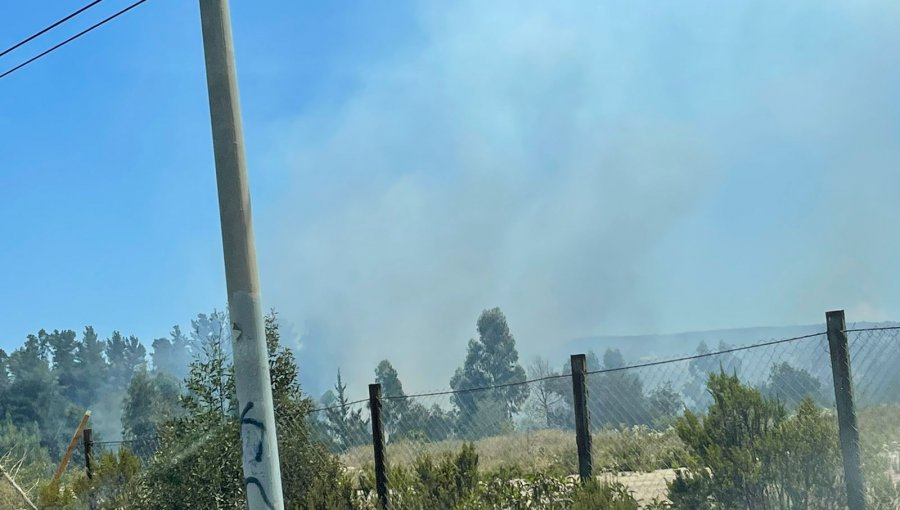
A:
(593, 495)
(747, 453)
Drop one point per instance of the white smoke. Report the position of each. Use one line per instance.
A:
(527, 155)
(490, 167)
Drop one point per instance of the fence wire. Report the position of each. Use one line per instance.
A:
(524, 428)
(875, 358)
(528, 427)
(634, 408)
(346, 431)
(504, 424)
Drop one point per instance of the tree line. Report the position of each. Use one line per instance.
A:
(493, 393)
(180, 417)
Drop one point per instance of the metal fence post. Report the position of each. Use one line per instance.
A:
(582, 416)
(381, 482)
(843, 396)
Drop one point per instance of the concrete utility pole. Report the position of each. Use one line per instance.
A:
(262, 474)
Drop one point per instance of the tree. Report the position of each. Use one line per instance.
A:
(565, 418)
(707, 362)
(545, 401)
(34, 395)
(206, 327)
(791, 385)
(171, 355)
(491, 361)
(63, 347)
(90, 369)
(427, 423)
(282, 366)
(395, 408)
(125, 355)
(151, 400)
(210, 392)
(619, 396)
(346, 425)
(199, 461)
(664, 404)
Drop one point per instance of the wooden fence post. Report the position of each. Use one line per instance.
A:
(381, 481)
(582, 416)
(843, 396)
(87, 441)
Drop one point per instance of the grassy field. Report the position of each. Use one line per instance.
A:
(631, 450)
(641, 459)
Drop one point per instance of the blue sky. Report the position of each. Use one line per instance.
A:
(589, 167)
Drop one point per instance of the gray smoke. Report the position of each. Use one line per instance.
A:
(532, 156)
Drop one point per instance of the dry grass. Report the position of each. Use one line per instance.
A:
(632, 450)
(555, 450)
(641, 459)
(536, 450)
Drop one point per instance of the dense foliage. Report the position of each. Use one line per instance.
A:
(747, 452)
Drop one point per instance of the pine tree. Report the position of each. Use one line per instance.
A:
(91, 369)
(34, 395)
(345, 424)
(125, 356)
(171, 355)
(63, 346)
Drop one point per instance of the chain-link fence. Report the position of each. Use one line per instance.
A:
(345, 428)
(875, 358)
(504, 424)
(649, 421)
(756, 421)
(634, 408)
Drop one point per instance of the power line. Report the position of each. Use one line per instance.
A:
(70, 39)
(49, 28)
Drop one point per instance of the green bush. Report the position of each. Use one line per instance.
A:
(748, 453)
(593, 495)
(452, 481)
(435, 484)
